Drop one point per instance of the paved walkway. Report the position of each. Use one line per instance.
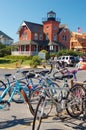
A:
(20, 118)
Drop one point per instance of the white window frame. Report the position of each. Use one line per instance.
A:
(36, 36)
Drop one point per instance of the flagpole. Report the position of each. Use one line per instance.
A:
(77, 42)
(79, 31)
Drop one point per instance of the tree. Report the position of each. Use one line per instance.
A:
(4, 50)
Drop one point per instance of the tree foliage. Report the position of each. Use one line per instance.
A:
(4, 50)
(69, 52)
(35, 61)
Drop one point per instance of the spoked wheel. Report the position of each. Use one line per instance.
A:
(40, 114)
(75, 100)
(34, 99)
(17, 96)
(2, 87)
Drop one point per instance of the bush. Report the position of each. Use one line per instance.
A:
(5, 51)
(69, 52)
(35, 61)
(19, 57)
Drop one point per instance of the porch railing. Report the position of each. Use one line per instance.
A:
(27, 53)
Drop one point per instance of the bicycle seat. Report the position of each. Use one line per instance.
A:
(8, 75)
(31, 75)
(24, 72)
(43, 72)
(64, 77)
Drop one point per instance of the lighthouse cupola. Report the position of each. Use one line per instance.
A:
(51, 16)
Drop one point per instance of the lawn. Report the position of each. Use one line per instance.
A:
(13, 63)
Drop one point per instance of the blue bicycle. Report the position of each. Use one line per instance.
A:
(18, 92)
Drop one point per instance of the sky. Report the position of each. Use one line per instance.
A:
(14, 12)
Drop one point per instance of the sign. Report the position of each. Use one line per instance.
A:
(42, 55)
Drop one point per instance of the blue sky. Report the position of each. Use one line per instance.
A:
(14, 12)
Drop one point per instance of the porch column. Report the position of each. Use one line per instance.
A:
(30, 49)
(36, 48)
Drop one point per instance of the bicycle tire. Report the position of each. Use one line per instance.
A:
(75, 100)
(17, 98)
(2, 88)
(38, 114)
(34, 99)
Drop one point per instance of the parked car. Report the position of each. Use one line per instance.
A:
(68, 60)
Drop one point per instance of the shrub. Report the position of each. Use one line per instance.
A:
(5, 51)
(69, 52)
(35, 61)
(19, 57)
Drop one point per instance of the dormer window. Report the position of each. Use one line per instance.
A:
(35, 36)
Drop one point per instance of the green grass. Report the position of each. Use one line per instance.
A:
(7, 63)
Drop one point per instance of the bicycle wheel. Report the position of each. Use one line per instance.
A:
(34, 99)
(17, 97)
(39, 114)
(2, 87)
(75, 100)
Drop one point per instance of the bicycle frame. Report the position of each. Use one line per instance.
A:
(17, 87)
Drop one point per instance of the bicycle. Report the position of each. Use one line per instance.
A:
(18, 88)
(73, 83)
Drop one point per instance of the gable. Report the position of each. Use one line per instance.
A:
(33, 27)
(2, 35)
